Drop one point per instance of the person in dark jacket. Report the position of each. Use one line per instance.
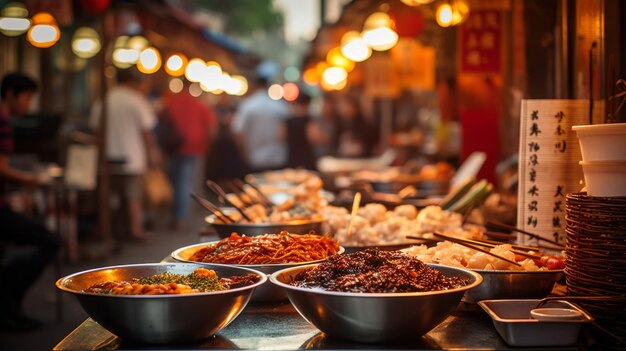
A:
(299, 131)
(26, 246)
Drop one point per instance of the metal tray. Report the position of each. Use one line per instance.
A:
(513, 321)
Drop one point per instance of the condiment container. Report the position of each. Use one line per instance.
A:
(515, 324)
(602, 142)
(605, 178)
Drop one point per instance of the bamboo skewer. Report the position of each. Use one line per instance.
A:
(474, 247)
(355, 207)
(513, 250)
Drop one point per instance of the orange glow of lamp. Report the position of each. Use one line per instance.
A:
(44, 32)
(175, 65)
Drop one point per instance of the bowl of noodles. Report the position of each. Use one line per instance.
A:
(267, 253)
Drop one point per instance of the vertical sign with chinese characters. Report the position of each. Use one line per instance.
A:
(481, 37)
(548, 165)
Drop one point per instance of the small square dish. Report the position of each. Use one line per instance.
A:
(513, 321)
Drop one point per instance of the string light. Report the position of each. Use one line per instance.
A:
(149, 60)
(86, 42)
(14, 19)
(175, 65)
(44, 33)
(176, 85)
(354, 47)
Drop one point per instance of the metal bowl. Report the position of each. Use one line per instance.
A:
(264, 293)
(500, 284)
(160, 319)
(377, 317)
(252, 229)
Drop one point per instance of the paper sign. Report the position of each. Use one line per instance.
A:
(82, 161)
(548, 165)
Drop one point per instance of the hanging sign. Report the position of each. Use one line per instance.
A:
(481, 39)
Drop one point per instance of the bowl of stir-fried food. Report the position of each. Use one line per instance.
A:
(266, 253)
(163, 303)
(299, 213)
(375, 296)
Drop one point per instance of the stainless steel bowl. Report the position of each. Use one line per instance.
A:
(160, 319)
(265, 293)
(252, 229)
(375, 317)
(499, 284)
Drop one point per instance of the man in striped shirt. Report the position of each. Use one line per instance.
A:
(26, 246)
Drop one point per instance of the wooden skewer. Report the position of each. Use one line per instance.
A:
(510, 237)
(355, 207)
(213, 209)
(474, 247)
(514, 229)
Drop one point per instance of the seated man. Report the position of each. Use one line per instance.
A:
(26, 246)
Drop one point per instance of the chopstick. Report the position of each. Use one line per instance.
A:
(422, 239)
(511, 228)
(238, 194)
(513, 250)
(213, 209)
(260, 194)
(254, 198)
(355, 207)
(220, 192)
(511, 237)
(474, 247)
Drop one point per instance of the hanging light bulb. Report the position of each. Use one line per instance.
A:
(149, 60)
(14, 19)
(311, 76)
(452, 13)
(460, 11)
(138, 43)
(379, 33)
(85, 42)
(334, 75)
(175, 65)
(44, 32)
(336, 58)
(354, 47)
(195, 70)
(243, 85)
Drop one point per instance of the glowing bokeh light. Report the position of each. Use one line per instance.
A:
(275, 92)
(290, 91)
(149, 60)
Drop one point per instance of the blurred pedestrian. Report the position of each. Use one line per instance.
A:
(324, 129)
(256, 125)
(299, 133)
(196, 124)
(26, 246)
(130, 142)
(353, 132)
(223, 166)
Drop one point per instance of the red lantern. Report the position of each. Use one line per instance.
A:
(94, 7)
(409, 20)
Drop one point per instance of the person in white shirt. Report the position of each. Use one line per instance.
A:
(129, 141)
(257, 125)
